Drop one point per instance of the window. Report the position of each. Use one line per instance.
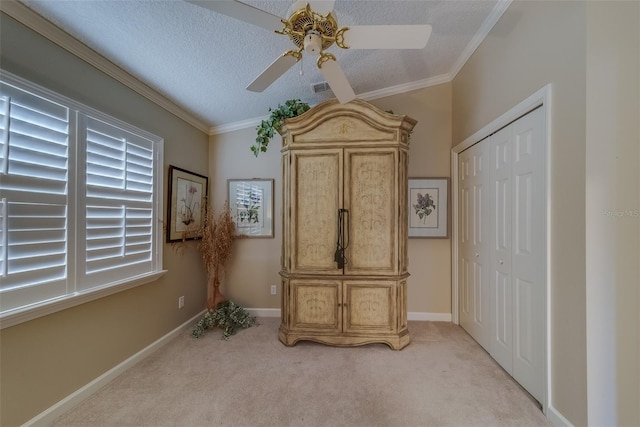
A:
(80, 199)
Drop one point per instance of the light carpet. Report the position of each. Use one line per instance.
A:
(443, 378)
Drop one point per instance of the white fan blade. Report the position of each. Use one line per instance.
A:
(242, 12)
(323, 7)
(271, 74)
(387, 36)
(333, 74)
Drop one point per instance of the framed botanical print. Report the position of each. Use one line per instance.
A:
(251, 206)
(187, 200)
(428, 207)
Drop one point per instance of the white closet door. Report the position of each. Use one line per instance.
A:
(502, 257)
(501, 339)
(473, 272)
(529, 253)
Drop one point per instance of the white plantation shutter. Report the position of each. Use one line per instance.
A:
(33, 190)
(119, 203)
(80, 197)
(5, 108)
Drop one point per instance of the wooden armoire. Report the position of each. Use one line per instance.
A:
(344, 240)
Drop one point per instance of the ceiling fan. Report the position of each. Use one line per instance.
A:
(312, 28)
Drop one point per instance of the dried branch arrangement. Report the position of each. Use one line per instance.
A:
(218, 234)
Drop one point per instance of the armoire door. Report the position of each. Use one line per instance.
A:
(317, 305)
(371, 194)
(369, 305)
(316, 186)
(473, 258)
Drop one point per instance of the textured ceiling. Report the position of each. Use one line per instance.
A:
(203, 60)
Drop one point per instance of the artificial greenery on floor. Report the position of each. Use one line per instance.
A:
(227, 316)
(267, 128)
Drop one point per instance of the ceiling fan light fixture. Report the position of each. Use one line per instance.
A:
(313, 43)
(304, 20)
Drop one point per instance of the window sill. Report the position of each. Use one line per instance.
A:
(21, 315)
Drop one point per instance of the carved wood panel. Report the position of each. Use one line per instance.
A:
(346, 128)
(317, 195)
(371, 198)
(369, 305)
(316, 304)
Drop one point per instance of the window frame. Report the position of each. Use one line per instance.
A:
(76, 295)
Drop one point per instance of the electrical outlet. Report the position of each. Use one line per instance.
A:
(273, 289)
(181, 302)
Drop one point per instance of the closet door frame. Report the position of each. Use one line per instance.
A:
(539, 99)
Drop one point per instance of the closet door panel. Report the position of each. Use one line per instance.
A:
(501, 340)
(474, 253)
(465, 225)
(528, 251)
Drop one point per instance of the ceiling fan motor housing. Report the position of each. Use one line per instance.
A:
(313, 42)
(303, 22)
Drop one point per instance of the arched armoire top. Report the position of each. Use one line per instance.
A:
(357, 123)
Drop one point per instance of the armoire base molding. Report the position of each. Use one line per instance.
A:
(422, 316)
(394, 341)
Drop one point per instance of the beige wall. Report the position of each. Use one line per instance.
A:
(533, 44)
(256, 262)
(613, 212)
(44, 360)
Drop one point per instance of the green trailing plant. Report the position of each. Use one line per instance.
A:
(267, 128)
(227, 316)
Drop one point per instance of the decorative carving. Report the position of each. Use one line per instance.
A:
(343, 128)
(369, 306)
(372, 206)
(316, 208)
(316, 305)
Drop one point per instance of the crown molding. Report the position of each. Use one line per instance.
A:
(367, 96)
(47, 29)
(405, 87)
(242, 124)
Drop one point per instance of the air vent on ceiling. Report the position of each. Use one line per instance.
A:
(320, 87)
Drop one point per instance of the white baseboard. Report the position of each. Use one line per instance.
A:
(432, 317)
(264, 312)
(556, 418)
(49, 415)
(429, 317)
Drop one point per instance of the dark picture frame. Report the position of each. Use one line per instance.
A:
(187, 200)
